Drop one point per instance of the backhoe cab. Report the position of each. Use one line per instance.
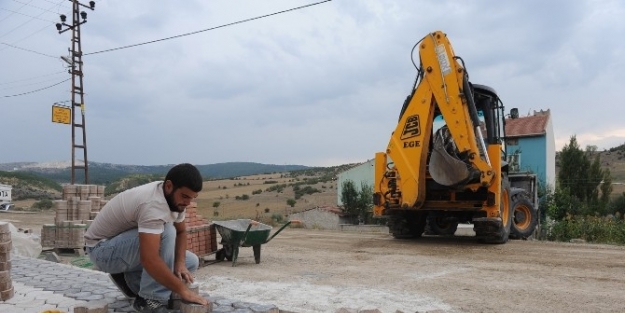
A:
(445, 161)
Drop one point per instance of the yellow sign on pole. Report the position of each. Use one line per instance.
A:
(61, 114)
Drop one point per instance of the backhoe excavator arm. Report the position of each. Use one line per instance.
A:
(400, 172)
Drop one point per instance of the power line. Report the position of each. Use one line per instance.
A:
(38, 18)
(27, 79)
(10, 31)
(33, 91)
(14, 12)
(24, 49)
(28, 36)
(36, 7)
(30, 84)
(212, 28)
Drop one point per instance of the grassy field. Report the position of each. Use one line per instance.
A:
(260, 206)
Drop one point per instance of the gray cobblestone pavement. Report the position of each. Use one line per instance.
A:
(42, 285)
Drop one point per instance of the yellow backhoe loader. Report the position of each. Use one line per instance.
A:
(445, 163)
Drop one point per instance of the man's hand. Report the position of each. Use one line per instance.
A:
(181, 271)
(191, 296)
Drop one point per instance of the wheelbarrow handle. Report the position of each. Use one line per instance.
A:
(279, 230)
(246, 232)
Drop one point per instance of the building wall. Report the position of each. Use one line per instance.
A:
(532, 151)
(318, 218)
(550, 166)
(358, 174)
(5, 193)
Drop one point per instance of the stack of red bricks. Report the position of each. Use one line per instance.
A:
(6, 284)
(201, 233)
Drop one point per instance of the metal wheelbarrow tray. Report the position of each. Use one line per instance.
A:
(242, 233)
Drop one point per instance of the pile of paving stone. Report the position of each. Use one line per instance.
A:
(80, 205)
(6, 283)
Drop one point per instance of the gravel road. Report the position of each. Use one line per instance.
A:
(322, 271)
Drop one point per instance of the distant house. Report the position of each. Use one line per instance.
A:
(530, 145)
(362, 173)
(325, 217)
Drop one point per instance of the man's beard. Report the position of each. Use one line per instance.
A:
(170, 202)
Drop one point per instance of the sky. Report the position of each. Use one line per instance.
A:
(318, 86)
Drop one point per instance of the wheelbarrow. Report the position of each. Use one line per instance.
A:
(243, 233)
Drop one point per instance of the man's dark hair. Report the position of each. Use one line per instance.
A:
(185, 175)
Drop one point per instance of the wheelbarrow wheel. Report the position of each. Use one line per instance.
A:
(228, 252)
(256, 253)
(220, 255)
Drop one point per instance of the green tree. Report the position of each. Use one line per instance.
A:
(573, 170)
(606, 191)
(291, 202)
(595, 176)
(216, 204)
(349, 198)
(365, 202)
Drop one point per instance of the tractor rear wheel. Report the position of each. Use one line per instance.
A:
(524, 217)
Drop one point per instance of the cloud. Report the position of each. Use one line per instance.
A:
(314, 86)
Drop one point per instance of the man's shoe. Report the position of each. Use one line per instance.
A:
(119, 281)
(142, 305)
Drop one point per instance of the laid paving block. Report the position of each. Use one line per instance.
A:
(186, 307)
(92, 307)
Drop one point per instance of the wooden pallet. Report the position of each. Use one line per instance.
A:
(65, 251)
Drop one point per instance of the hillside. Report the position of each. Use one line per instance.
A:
(30, 186)
(107, 173)
(263, 192)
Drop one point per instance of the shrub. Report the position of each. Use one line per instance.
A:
(44, 204)
(277, 217)
(594, 229)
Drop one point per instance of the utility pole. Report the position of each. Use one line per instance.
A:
(78, 92)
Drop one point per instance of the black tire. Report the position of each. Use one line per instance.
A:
(442, 226)
(228, 252)
(524, 217)
(499, 233)
(220, 255)
(408, 225)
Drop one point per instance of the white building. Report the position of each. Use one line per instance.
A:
(5, 193)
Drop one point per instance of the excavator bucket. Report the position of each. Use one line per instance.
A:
(445, 167)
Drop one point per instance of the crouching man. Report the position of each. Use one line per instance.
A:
(139, 238)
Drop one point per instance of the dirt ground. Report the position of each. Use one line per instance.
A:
(322, 271)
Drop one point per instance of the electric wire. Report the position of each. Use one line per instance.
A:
(32, 19)
(30, 84)
(153, 41)
(31, 78)
(37, 18)
(208, 29)
(14, 13)
(28, 50)
(36, 7)
(37, 90)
